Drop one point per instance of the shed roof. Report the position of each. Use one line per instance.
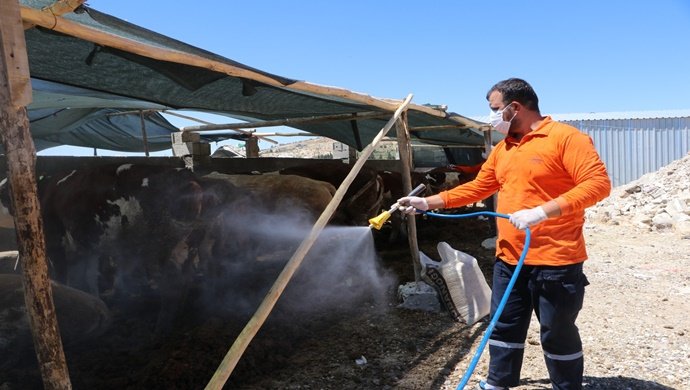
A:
(98, 63)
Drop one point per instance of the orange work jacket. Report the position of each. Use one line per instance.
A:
(553, 162)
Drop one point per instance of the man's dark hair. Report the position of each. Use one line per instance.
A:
(516, 90)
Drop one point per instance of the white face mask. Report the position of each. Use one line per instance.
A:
(497, 122)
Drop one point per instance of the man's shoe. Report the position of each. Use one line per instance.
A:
(482, 385)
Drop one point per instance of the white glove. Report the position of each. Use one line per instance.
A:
(527, 217)
(410, 204)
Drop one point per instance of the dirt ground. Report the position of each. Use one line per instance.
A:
(634, 327)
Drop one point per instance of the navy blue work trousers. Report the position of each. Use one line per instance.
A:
(555, 294)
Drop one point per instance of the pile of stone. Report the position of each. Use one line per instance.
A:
(657, 201)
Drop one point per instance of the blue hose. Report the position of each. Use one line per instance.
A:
(504, 299)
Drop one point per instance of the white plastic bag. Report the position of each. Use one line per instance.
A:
(459, 283)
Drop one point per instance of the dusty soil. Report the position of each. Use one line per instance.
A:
(634, 326)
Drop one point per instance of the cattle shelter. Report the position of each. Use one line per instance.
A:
(89, 79)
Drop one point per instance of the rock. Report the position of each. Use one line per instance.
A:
(656, 201)
(683, 229)
(662, 221)
(418, 296)
(489, 243)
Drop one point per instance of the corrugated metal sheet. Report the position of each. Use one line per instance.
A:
(632, 147)
(632, 143)
(613, 115)
(622, 115)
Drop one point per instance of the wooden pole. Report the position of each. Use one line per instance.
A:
(488, 145)
(144, 137)
(15, 94)
(240, 345)
(61, 7)
(58, 8)
(351, 154)
(251, 147)
(406, 167)
(289, 121)
(191, 118)
(436, 127)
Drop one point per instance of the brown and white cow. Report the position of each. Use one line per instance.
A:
(363, 198)
(127, 230)
(123, 231)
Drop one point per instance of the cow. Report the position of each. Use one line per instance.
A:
(124, 230)
(89, 213)
(275, 206)
(447, 177)
(81, 317)
(284, 192)
(361, 201)
(128, 230)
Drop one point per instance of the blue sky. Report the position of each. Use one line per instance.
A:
(580, 56)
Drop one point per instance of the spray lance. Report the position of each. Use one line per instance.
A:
(378, 221)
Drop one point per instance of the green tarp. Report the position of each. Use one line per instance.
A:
(99, 80)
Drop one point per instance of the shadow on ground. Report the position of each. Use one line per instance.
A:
(601, 383)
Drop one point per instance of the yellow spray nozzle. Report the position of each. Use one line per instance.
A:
(378, 221)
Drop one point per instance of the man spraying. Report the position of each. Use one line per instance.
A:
(545, 173)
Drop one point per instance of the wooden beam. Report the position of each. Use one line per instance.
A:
(144, 136)
(264, 137)
(90, 34)
(251, 147)
(422, 146)
(406, 167)
(482, 128)
(191, 118)
(437, 127)
(281, 134)
(58, 8)
(290, 121)
(15, 79)
(240, 345)
(15, 94)
(62, 7)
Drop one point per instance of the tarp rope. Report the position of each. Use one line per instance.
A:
(504, 299)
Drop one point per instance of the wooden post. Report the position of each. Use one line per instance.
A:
(351, 154)
(240, 345)
(406, 167)
(488, 145)
(144, 137)
(251, 147)
(15, 94)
